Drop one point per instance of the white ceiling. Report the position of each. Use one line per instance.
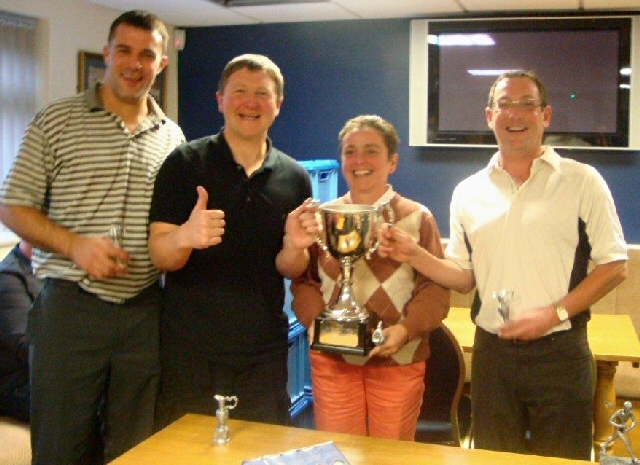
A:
(207, 13)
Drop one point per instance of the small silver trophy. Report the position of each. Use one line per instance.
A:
(503, 297)
(116, 234)
(623, 421)
(225, 403)
(349, 234)
(377, 337)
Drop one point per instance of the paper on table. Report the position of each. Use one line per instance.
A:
(325, 453)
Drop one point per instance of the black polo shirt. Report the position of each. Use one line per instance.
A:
(227, 300)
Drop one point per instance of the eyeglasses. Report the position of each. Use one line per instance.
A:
(526, 103)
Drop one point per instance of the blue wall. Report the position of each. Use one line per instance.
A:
(336, 70)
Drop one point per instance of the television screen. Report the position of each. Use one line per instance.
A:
(585, 64)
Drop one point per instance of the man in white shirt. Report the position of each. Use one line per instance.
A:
(523, 230)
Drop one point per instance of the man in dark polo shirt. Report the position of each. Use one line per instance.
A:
(227, 221)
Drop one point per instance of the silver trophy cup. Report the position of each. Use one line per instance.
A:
(349, 234)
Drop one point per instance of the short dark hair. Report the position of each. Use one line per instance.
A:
(142, 20)
(542, 90)
(377, 123)
(253, 62)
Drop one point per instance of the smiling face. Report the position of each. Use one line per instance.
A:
(366, 164)
(518, 127)
(249, 103)
(134, 57)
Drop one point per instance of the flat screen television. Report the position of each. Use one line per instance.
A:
(586, 64)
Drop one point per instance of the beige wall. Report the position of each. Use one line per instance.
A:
(4, 250)
(66, 27)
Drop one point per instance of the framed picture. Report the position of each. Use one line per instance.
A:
(91, 69)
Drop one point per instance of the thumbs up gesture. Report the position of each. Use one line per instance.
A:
(204, 228)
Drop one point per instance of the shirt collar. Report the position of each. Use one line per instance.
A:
(548, 156)
(551, 157)
(270, 158)
(494, 163)
(384, 198)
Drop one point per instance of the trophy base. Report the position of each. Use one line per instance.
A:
(352, 337)
(613, 460)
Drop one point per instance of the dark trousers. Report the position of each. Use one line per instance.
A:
(190, 379)
(534, 397)
(94, 369)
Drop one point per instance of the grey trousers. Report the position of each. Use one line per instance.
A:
(94, 373)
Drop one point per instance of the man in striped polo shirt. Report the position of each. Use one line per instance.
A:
(86, 168)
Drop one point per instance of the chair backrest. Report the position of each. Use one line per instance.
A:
(438, 421)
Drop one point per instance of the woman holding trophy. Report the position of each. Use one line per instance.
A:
(376, 391)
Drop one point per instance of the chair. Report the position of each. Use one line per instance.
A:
(445, 415)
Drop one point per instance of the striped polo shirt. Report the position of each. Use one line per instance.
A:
(80, 165)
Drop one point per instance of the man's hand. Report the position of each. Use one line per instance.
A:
(300, 230)
(204, 228)
(397, 244)
(302, 225)
(530, 325)
(98, 256)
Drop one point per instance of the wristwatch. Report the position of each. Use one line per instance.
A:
(563, 314)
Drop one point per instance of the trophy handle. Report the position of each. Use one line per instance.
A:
(319, 240)
(380, 211)
(323, 245)
(318, 237)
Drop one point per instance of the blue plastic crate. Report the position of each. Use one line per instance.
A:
(299, 382)
(324, 184)
(324, 178)
(297, 349)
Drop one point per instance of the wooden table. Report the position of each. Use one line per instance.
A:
(189, 441)
(612, 339)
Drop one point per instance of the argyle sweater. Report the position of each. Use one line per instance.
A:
(389, 290)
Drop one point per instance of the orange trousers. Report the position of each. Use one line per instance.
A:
(376, 401)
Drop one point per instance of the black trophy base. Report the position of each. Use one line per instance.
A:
(352, 337)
